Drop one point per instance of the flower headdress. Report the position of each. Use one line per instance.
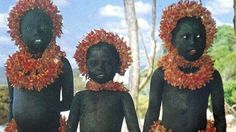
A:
(22, 7)
(185, 8)
(93, 38)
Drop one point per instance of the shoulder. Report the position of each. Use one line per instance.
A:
(79, 95)
(66, 63)
(158, 73)
(125, 96)
(216, 75)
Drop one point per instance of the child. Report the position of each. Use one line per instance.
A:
(105, 103)
(39, 70)
(186, 77)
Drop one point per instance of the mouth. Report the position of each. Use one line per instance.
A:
(37, 41)
(100, 76)
(192, 52)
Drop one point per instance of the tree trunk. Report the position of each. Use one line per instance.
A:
(200, 1)
(151, 59)
(134, 76)
(234, 21)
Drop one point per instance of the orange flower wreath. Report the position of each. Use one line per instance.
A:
(96, 36)
(34, 74)
(158, 127)
(93, 38)
(174, 76)
(12, 126)
(172, 61)
(22, 70)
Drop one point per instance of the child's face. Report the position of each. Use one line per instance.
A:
(36, 30)
(189, 38)
(102, 63)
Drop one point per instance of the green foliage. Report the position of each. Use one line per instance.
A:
(79, 81)
(223, 52)
(230, 92)
(142, 105)
(4, 100)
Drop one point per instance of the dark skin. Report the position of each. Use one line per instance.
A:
(185, 110)
(40, 111)
(102, 111)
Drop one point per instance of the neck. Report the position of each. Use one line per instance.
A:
(36, 56)
(189, 69)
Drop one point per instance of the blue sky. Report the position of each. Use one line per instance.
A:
(81, 16)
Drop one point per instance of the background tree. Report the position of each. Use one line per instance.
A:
(131, 20)
(135, 84)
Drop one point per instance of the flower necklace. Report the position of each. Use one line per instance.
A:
(174, 76)
(110, 86)
(25, 72)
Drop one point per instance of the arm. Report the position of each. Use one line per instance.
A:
(74, 115)
(155, 98)
(11, 93)
(67, 85)
(130, 114)
(217, 96)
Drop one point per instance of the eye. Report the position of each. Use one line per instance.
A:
(185, 37)
(198, 36)
(92, 62)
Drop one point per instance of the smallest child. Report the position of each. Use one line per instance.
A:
(102, 107)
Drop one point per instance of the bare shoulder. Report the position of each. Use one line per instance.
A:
(216, 74)
(158, 73)
(65, 62)
(125, 96)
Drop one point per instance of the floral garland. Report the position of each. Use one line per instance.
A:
(158, 127)
(22, 7)
(93, 38)
(174, 76)
(34, 74)
(173, 13)
(12, 126)
(110, 86)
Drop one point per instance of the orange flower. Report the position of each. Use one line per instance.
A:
(158, 127)
(110, 86)
(173, 13)
(96, 36)
(34, 74)
(63, 124)
(174, 76)
(11, 126)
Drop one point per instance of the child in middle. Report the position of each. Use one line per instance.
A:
(105, 103)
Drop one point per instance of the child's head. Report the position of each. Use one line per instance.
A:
(188, 28)
(36, 30)
(34, 24)
(101, 54)
(103, 62)
(189, 38)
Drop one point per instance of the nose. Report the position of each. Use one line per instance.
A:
(192, 40)
(100, 65)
